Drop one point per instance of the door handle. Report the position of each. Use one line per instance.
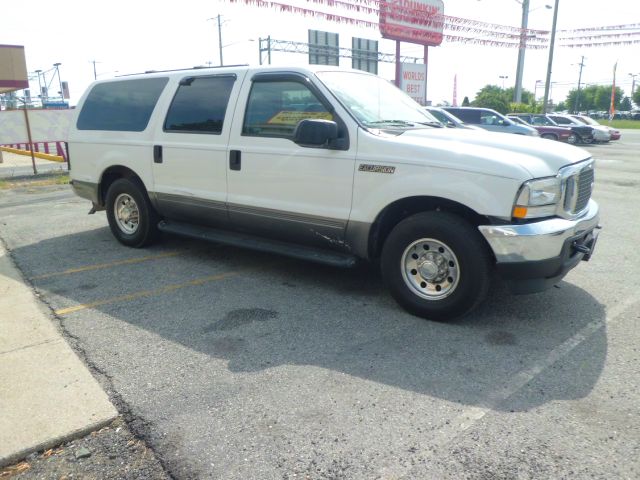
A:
(157, 154)
(234, 160)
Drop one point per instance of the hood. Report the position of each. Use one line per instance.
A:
(500, 154)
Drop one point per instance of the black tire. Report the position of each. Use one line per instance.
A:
(467, 245)
(588, 141)
(146, 231)
(549, 136)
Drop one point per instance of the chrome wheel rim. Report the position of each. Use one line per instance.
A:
(127, 214)
(572, 139)
(430, 269)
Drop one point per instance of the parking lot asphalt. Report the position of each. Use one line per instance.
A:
(236, 364)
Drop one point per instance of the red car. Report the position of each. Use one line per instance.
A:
(562, 134)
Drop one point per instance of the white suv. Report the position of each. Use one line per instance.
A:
(333, 166)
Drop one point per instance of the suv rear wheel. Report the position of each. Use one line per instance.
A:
(132, 218)
(436, 265)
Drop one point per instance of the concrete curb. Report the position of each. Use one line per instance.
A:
(47, 395)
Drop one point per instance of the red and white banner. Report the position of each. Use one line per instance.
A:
(423, 22)
(415, 21)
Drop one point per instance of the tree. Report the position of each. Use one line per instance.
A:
(625, 104)
(527, 96)
(465, 102)
(561, 107)
(499, 99)
(593, 97)
(636, 97)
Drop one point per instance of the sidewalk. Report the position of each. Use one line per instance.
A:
(14, 165)
(47, 395)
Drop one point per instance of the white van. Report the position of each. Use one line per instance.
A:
(333, 166)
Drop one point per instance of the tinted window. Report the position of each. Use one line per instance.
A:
(200, 105)
(124, 105)
(275, 108)
(466, 115)
(561, 120)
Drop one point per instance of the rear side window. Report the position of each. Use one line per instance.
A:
(122, 106)
(200, 105)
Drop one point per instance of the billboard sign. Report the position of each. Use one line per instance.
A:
(324, 48)
(413, 81)
(414, 21)
(364, 54)
(13, 68)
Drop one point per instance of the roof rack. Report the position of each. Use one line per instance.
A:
(196, 67)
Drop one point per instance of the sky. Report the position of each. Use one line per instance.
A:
(133, 36)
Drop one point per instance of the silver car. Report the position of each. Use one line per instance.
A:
(599, 135)
(490, 120)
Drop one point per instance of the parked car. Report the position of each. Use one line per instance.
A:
(582, 133)
(491, 120)
(613, 132)
(599, 135)
(449, 120)
(332, 166)
(549, 132)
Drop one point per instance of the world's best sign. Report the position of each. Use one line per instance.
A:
(414, 21)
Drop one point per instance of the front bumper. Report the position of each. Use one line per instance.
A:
(601, 136)
(535, 256)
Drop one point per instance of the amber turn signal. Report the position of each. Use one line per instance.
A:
(519, 212)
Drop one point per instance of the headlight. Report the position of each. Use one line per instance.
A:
(537, 198)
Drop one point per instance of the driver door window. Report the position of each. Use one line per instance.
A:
(274, 109)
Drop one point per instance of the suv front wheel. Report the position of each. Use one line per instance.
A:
(436, 265)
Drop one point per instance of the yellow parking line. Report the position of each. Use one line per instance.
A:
(107, 265)
(145, 293)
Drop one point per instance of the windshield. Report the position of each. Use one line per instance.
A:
(374, 101)
(440, 116)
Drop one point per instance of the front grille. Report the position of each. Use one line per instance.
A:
(578, 190)
(585, 187)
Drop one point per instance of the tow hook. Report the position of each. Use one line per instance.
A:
(581, 248)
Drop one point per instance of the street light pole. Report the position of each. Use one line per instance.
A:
(503, 77)
(547, 84)
(517, 93)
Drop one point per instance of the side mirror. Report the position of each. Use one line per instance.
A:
(315, 133)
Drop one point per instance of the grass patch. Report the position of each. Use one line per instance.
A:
(634, 124)
(59, 179)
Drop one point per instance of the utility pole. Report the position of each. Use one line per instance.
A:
(633, 82)
(577, 104)
(95, 74)
(517, 93)
(220, 38)
(547, 84)
(57, 67)
(40, 86)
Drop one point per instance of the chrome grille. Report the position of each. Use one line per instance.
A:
(584, 187)
(578, 188)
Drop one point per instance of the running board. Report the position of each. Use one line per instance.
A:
(317, 255)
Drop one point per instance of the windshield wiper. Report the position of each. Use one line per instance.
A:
(432, 124)
(402, 123)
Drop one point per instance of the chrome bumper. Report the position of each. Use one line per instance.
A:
(540, 240)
